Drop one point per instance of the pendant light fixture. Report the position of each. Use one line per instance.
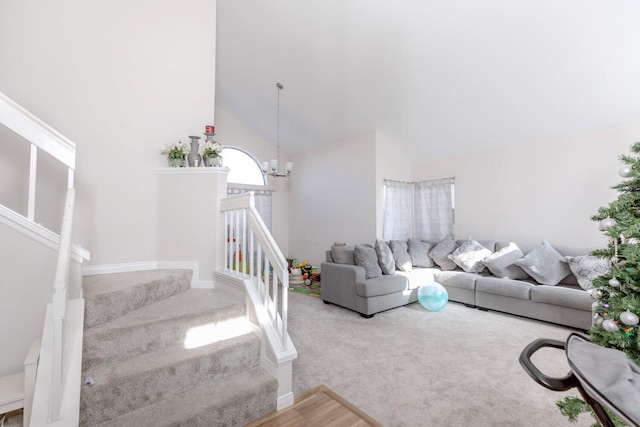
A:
(272, 168)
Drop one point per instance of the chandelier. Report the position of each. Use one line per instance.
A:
(272, 168)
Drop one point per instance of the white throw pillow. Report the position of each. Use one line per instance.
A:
(587, 268)
(469, 255)
(501, 263)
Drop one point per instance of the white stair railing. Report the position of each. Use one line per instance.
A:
(56, 394)
(252, 257)
(262, 261)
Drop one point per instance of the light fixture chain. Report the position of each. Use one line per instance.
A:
(279, 86)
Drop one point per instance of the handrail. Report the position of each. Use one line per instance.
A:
(34, 130)
(267, 266)
(56, 393)
(59, 305)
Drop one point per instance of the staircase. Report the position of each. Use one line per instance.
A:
(163, 354)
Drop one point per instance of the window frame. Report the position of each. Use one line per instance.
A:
(255, 160)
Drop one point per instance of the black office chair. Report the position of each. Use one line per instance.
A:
(605, 377)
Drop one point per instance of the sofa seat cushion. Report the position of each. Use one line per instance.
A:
(383, 285)
(563, 295)
(456, 279)
(419, 276)
(519, 289)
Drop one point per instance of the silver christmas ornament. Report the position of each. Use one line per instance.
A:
(614, 283)
(629, 318)
(607, 223)
(599, 320)
(625, 172)
(610, 325)
(595, 305)
(596, 293)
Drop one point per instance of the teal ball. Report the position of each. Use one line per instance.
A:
(433, 297)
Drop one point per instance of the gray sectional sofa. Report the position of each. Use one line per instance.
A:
(345, 284)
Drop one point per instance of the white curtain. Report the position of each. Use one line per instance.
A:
(397, 210)
(433, 209)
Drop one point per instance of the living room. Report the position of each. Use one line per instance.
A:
(544, 103)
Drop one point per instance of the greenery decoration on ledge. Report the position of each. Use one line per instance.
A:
(617, 293)
(176, 150)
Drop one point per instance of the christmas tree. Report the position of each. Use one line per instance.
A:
(617, 293)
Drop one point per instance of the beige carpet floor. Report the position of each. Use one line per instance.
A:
(409, 367)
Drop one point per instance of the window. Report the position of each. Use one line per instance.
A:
(243, 167)
(398, 208)
(245, 172)
(419, 210)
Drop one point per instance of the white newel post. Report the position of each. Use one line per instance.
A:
(190, 224)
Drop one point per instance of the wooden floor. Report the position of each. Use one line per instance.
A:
(320, 406)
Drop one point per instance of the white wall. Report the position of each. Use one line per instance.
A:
(26, 289)
(120, 79)
(333, 197)
(190, 225)
(547, 190)
(391, 164)
(233, 133)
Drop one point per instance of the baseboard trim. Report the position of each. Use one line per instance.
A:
(92, 270)
(152, 265)
(285, 401)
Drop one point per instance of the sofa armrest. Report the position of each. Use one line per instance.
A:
(339, 281)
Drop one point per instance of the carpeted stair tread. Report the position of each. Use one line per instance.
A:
(137, 382)
(160, 325)
(111, 295)
(234, 400)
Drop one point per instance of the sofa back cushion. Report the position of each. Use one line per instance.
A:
(564, 250)
(342, 254)
(367, 258)
(401, 255)
(440, 254)
(419, 253)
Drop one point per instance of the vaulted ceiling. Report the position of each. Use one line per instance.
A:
(439, 78)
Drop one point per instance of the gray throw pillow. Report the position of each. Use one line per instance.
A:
(419, 253)
(501, 263)
(401, 255)
(385, 257)
(468, 256)
(367, 258)
(440, 252)
(342, 254)
(587, 268)
(544, 264)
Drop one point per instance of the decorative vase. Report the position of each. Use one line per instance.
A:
(176, 163)
(213, 161)
(194, 157)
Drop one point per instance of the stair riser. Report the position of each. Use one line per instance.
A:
(233, 413)
(104, 307)
(114, 396)
(232, 401)
(138, 339)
